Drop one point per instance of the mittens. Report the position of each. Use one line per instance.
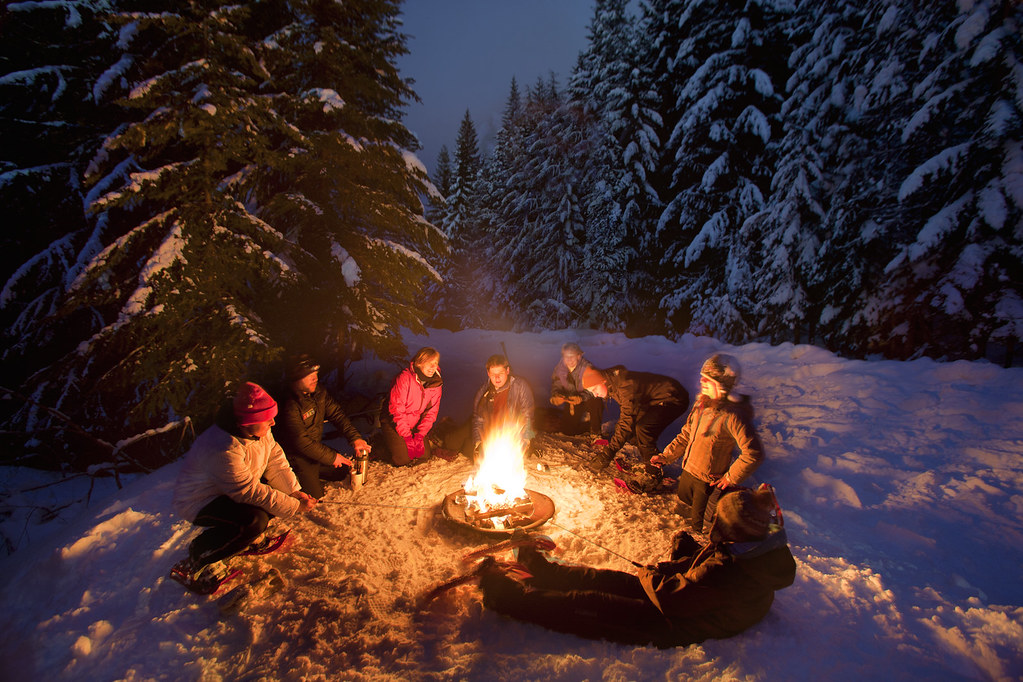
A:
(416, 446)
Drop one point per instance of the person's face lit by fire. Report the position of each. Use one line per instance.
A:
(571, 360)
(429, 367)
(308, 382)
(499, 376)
(258, 430)
(598, 390)
(710, 388)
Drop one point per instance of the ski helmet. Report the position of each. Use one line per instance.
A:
(723, 369)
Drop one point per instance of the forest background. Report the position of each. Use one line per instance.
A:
(195, 189)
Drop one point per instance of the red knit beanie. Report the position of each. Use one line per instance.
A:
(253, 405)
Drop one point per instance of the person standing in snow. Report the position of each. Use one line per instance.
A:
(714, 591)
(648, 403)
(221, 485)
(580, 410)
(412, 407)
(305, 406)
(721, 421)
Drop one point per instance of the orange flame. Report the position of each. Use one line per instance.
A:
(501, 476)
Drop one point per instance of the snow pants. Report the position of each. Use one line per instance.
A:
(651, 421)
(230, 527)
(582, 418)
(589, 602)
(702, 498)
(311, 474)
(395, 448)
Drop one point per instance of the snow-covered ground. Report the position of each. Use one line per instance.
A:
(902, 489)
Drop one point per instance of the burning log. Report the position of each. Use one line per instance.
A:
(503, 520)
(495, 498)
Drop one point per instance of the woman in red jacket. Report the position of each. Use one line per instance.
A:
(412, 409)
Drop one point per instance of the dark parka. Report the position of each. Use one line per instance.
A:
(636, 392)
(714, 591)
(300, 425)
(721, 589)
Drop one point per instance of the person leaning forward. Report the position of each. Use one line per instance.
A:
(305, 406)
(648, 404)
(221, 484)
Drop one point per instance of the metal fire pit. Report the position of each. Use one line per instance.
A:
(543, 510)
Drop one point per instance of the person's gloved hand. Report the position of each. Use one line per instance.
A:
(416, 446)
(557, 399)
(574, 399)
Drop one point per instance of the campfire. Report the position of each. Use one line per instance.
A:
(495, 498)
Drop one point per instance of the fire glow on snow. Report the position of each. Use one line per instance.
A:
(901, 484)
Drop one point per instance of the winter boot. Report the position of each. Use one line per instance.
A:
(599, 461)
(202, 579)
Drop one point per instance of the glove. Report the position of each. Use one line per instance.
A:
(574, 399)
(415, 445)
(557, 399)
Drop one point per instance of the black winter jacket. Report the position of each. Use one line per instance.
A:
(636, 392)
(299, 427)
(721, 589)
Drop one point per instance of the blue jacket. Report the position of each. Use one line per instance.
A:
(519, 406)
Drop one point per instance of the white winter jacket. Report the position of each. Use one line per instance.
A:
(220, 463)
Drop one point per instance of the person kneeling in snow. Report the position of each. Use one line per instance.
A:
(714, 591)
(304, 407)
(220, 487)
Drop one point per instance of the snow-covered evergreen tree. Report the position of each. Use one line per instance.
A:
(263, 197)
(538, 251)
(725, 98)
(952, 284)
(611, 92)
(463, 201)
(53, 75)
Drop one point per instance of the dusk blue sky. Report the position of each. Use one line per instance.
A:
(464, 53)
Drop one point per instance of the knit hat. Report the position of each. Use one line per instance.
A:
(302, 366)
(723, 369)
(253, 405)
(744, 515)
(592, 377)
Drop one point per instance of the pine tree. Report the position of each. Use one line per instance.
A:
(952, 283)
(603, 88)
(717, 152)
(53, 71)
(463, 207)
(258, 199)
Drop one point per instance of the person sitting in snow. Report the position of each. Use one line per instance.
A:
(580, 410)
(411, 410)
(648, 404)
(221, 487)
(505, 401)
(305, 406)
(720, 421)
(704, 592)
